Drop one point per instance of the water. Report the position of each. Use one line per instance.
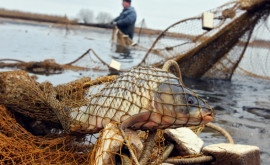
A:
(241, 107)
(37, 42)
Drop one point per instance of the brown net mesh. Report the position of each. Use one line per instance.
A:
(48, 66)
(240, 28)
(18, 146)
(66, 117)
(82, 122)
(20, 93)
(17, 94)
(143, 98)
(120, 38)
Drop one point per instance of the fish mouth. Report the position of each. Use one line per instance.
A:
(207, 117)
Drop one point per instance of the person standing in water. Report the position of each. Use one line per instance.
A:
(127, 18)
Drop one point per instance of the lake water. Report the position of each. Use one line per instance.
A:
(241, 107)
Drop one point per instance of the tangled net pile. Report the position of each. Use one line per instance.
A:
(35, 125)
(19, 146)
(33, 114)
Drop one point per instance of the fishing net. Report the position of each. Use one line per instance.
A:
(89, 61)
(38, 125)
(18, 146)
(234, 45)
(48, 66)
(237, 43)
(20, 93)
(142, 98)
(120, 38)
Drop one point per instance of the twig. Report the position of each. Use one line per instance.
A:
(167, 152)
(149, 145)
(128, 145)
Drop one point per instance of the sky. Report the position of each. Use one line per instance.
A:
(153, 11)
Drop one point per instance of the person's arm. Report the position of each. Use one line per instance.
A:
(130, 18)
(116, 19)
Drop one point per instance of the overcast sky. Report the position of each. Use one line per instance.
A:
(158, 14)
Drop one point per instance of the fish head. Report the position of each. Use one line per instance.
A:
(179, 106)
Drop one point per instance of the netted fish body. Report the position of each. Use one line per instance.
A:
(143, 98)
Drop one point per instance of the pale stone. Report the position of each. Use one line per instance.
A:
(187, 142)
(110, 143)
(115, 64)
(233, 154)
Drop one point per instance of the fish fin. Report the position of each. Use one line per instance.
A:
(138, 118)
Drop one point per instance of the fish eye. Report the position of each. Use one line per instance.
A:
(191, 100)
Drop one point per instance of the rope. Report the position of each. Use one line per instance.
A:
(173, 67)
(139, 35)
(99, 80)
(77, 59)
(161, 35)
(222, 131)
(89, 50)
(8, 59)
(201, 159)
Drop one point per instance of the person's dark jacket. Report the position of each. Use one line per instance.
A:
(126, 21)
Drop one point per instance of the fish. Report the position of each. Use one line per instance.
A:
(143, 98)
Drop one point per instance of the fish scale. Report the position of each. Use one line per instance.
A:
(135, 97)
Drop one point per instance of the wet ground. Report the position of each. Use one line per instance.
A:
(241, 106)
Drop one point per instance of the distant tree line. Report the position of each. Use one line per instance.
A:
(87, 16)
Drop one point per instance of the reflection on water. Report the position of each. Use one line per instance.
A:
(124, 54)
(262, 112)
(241, 107)
(123, 51)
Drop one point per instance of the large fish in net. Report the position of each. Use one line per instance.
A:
(142, 98)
